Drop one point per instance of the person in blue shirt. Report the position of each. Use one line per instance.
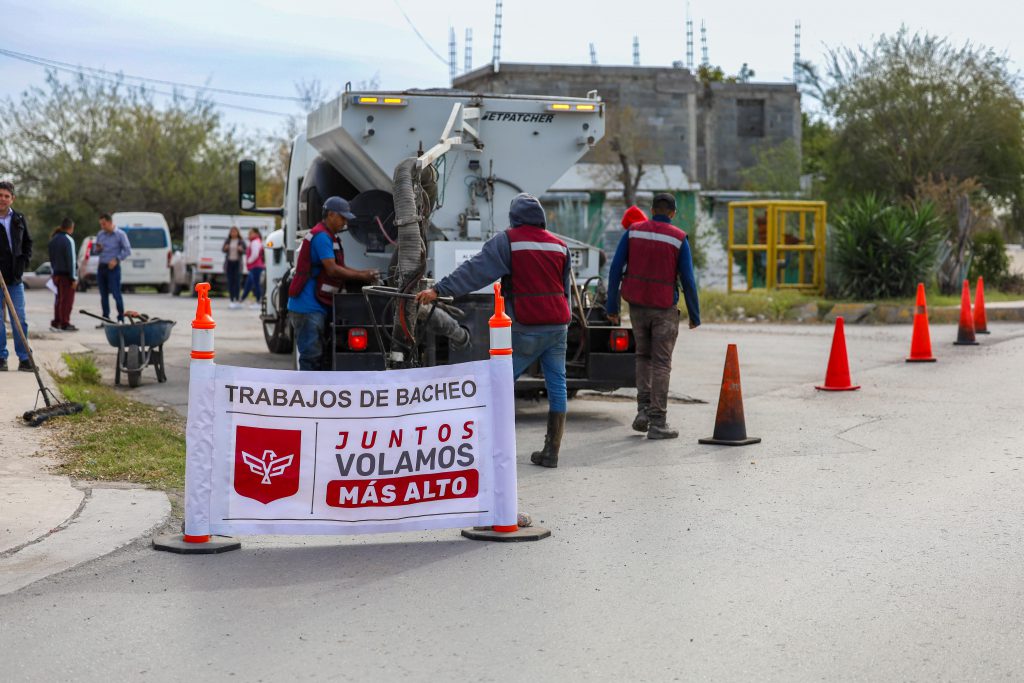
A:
(112, 246)
(316, 254)
(651, 262)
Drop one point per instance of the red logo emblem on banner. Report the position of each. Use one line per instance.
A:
(267, 463)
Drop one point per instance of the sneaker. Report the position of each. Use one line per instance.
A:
(3, 365)
(69, 328)
(25, 365)
(234, 305)
(254, 307)
(100, 326)
(54, 328)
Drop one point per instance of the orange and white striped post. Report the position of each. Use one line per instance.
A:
(197, 540)
(504, 438)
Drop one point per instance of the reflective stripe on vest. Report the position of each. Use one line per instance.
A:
(653, 264)
(536, 292)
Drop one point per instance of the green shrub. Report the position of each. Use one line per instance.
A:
(82, 368)
(882, 250)
(990, 260)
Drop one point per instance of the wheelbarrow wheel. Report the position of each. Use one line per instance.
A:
(133, 364)
(156, 358)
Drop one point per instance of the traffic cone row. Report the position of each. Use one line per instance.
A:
(730, 425)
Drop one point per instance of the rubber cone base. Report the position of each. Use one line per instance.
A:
(965, 343)
(174, 543)
(921, 360)
(982, 332)
(852, 387)
(727, 442)
(520, 535)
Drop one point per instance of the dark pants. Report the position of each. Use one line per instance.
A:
(109, 282)
(64, 302)
(309, 330)
(655, 331)
(252, 284)
(232, 270)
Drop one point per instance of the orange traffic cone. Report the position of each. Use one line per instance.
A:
(921, 342)
(965, 334)
(980, 319)
(730, 427)
(837, 376)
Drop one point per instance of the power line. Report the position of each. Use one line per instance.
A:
(81, 71)
(420, 35)
(45, 61)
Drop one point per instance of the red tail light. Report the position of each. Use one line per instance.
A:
(619, 340)
(357, 339)
(169, 254)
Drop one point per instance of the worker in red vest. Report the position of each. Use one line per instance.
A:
(656, 258)
(533, 266)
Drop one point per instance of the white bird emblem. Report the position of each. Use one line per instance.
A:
(270, 465)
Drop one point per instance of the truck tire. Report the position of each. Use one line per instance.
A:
(133, 363)
(277, 335)
(163, 288)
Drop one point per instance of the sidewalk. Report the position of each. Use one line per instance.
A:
(48, 523)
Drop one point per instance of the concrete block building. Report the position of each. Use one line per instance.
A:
(712, 131)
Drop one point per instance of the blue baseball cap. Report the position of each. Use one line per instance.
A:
(339, 206)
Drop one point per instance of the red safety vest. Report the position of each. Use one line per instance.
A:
(536, 286)
(326, 286)
(653, 265)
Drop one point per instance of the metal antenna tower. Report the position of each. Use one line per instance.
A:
(593, 54)
(496, 58)
(689, 39)
(469, 51)
(453, 49)
(796, 52)
(704, 44)
(636, 50)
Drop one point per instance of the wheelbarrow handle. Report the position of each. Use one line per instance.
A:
(98, 317)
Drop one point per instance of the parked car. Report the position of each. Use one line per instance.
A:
(37, 279)
(86, 268)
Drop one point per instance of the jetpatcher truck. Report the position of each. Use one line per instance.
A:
(430, 175)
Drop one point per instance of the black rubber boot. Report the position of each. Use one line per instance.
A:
(659, 429)
(548, 456)
(641, 423)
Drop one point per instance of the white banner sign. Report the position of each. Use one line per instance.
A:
(280, 452)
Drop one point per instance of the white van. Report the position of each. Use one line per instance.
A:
(150, 238)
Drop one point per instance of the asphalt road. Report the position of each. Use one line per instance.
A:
(873, 535)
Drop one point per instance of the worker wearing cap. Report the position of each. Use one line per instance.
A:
(533, 266)
(656, 259)
(320, 252)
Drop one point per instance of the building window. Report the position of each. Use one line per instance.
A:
(750, 118)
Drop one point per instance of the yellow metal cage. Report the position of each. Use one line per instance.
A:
(778, 244)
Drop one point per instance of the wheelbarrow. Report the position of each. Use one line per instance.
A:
(139, 344)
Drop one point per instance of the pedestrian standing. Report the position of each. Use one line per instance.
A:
(234, 250)
(15, 255)
(64, 264)
(254, 262)
(112, 246)
(656, 258)
(320, 256)
(534, 267)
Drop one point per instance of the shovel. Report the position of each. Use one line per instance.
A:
(54, 406)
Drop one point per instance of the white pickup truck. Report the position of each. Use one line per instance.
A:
(202, 259)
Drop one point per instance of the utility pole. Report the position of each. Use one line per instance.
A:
(593, 54)
(469, 51)
(496, 56)
(453, 64)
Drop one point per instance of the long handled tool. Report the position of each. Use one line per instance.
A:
(54, 406)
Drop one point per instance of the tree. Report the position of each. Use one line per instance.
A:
(628, 148)
(914, 106)
(82, 147)
(776, 169)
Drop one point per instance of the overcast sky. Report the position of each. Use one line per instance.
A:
(267, 46)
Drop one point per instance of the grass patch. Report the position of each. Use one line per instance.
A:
(117, 439)
(771, 306)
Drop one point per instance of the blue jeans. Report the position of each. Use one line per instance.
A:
(18, 298)
(308, 329)
(109, 282)
(232, 271)
(549, 347)
(252, 284)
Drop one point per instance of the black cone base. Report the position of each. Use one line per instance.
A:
(174, 543)
(731, 442)
(521, 535)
